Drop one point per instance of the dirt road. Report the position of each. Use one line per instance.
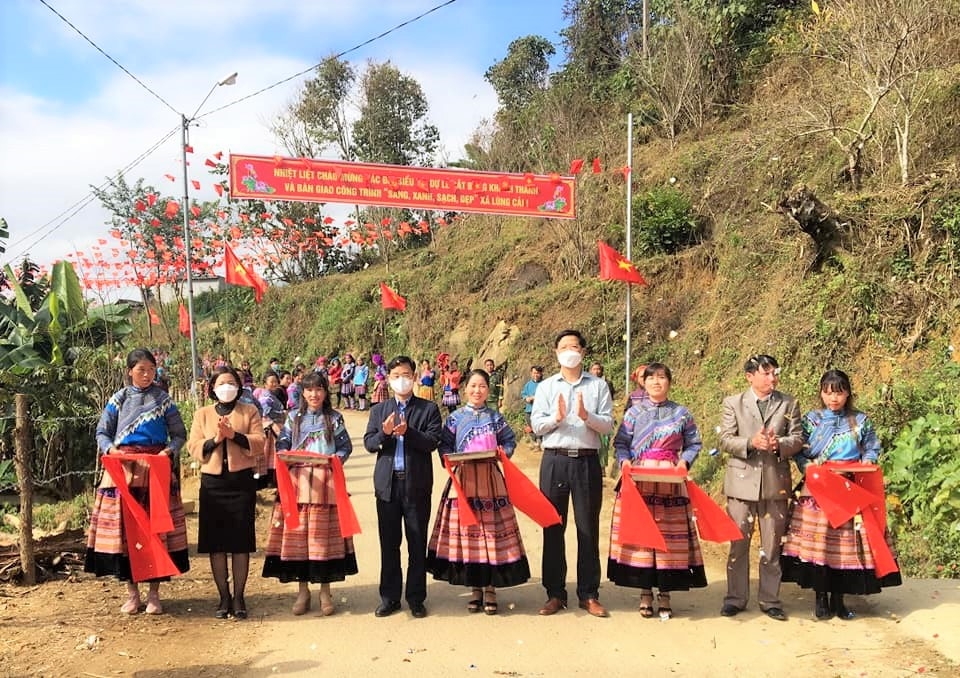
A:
(72, 628)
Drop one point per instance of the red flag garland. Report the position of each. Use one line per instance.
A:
(576, 165)
(613, 266)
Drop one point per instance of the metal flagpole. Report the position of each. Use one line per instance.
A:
(629, 230)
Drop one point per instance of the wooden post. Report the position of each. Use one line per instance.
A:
(23, 460)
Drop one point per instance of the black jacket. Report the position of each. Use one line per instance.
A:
(420, 440)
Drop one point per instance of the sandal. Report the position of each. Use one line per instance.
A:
(326, 603)
(489, 602)
(132, 606)
(663, 606)
(476, 604)
(646, 605)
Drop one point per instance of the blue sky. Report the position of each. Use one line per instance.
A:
(69, 117)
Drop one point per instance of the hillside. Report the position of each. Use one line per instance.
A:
(814, 232)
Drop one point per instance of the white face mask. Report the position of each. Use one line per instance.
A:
(569, 359)
(401, 385)
(226, 393)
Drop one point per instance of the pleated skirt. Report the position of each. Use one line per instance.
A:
(490, 553)
(107, 544)
(316, 551)
(680, 567)
(818, 556)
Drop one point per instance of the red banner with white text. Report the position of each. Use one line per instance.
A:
(454, 190)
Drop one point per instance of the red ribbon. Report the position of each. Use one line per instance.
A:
(841, 499)
(349, 525)
(148, 556)
(467, 516)
(637, 525)
(346, 515)
(525, 496)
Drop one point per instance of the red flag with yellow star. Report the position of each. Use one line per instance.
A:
(613, 266)
(235, 273)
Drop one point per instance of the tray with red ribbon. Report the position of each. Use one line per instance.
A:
(457, 457)
(304, 457)
(658, 474)
(848, 467)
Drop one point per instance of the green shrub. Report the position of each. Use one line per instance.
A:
(663, 221)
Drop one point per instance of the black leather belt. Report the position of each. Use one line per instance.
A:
(399, 475)
(571, 452)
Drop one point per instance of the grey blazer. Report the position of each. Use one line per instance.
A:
(757, 475)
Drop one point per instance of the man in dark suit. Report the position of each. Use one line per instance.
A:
(403, 431)
(760, 430)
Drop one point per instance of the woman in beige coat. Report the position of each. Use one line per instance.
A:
(227, 438)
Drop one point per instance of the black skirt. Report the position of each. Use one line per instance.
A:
(228, 504)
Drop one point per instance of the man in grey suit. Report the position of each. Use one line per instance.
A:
(760, 431)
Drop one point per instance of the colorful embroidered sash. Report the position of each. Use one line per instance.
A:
(841, 499)
(149, 558)
(346, 516)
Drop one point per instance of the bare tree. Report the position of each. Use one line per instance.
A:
(886, 49)
(675, 75)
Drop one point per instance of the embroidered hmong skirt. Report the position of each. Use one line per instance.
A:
(818, 556)
(228, 510)
(379, 392)
(680, 567)
(266, 467)
(314, 552)
(346, 388)
(490, 553)
(426, 392)
(107, 544)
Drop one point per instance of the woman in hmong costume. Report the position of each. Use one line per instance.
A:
(427, 379)
(833, 561)
(658, 432)
(346, 381)
(227, 438)
(491, 553)
(316, 551)
(140, 418)
(273, 416)
(380, 392)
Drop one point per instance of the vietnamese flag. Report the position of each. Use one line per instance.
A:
(235, 273)
(184, 323)
(613, 266)
(390, 299)
(154, 318)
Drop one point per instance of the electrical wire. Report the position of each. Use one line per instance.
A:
(112, 60)
(335, 56)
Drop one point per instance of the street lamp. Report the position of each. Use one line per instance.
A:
(184, 125)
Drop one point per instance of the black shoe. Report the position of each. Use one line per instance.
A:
(822, 608)
(225, 609)
(839, 609)
(387, 607)
(775, 613)
(729, 610)
(418, 610)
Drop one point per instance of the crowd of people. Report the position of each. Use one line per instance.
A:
(289, 432)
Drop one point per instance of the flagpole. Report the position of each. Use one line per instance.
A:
(629, 229)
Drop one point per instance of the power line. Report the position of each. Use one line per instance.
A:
(76, 207)
(79, 205)
(335, 56)
(114, 61)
